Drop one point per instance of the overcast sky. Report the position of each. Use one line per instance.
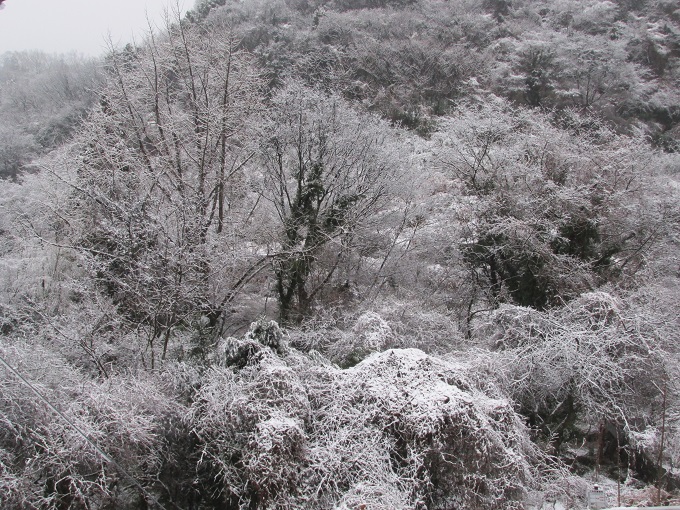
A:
(62, 26)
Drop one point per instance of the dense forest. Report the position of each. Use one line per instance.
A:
(345, 254)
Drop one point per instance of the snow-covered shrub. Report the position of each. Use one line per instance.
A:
(9, 319)
(346, 338)
(10, 483)
(369, 333)
(45, 462)
(400, 429)
(349, 337)
(560, 484)
(585, 361)
(249, 424)
(267, 333)
(432, 331)
(375, 497)
(236, 352)
(274, 453)
(349, 461)
(467, 450)
(513, 326)
(598, 309)
(403, 429)
(239, 352)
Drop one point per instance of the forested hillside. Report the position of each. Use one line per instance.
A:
(43, 98)
(358, 254)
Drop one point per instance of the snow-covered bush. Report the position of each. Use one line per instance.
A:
(250, 427)
(549, 214)
(465, 449)
(401, 429)
(369, 333)
(348, 338)
(45, 462)
(239, 352)
(587, 361)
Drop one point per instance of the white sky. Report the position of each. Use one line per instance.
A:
(62, 26)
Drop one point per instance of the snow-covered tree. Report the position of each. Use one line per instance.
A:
(327, 171)
(549, 214)
(156, 171)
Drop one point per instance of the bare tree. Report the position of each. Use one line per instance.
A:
(156, 169)
(327, 170)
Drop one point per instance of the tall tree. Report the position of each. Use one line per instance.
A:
(155, 173)
(327, 170)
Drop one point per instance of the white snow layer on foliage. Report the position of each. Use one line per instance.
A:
(401, 429)
(126, 417)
